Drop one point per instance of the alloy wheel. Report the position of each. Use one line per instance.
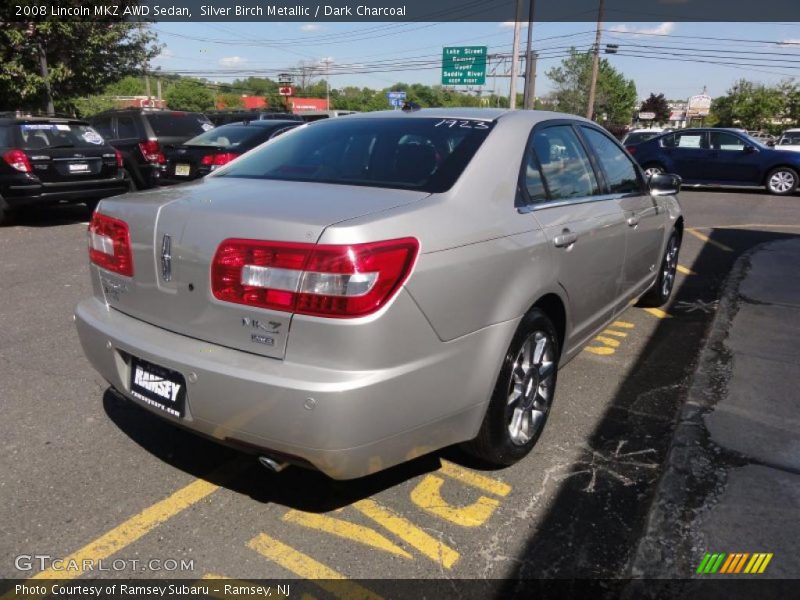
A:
(670, 266)
(781, 182)
(530, 389)
(650, 171)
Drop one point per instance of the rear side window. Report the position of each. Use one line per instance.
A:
(684, 140)
(126, 128)
(178, 124)
(565, 166)
(406, 153)
(41, 136)
(618, 169)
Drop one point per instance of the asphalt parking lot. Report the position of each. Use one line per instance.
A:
(85, 475)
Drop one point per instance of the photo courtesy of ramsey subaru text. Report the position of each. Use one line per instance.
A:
(359, 292)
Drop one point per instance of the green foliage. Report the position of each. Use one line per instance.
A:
(230, 100)
(82, 56)
(189, 94)
(658, 105)
(615, 97)
(752, 105)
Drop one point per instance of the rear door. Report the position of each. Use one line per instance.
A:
(689, 154)
(586, 228)
(643, 216)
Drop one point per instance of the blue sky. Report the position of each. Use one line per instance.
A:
(410, 52)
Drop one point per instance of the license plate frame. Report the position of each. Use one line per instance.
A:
(156, 386)
(183, 170)
(78, 168)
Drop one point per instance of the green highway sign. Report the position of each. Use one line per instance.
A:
(464, 65)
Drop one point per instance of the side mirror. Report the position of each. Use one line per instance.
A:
(749, 149)
(664, 184)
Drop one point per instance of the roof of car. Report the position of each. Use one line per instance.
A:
(13, 120)
(485, 114)
(261, 123)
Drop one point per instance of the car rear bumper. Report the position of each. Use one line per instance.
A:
(303, 410)
(29, 194)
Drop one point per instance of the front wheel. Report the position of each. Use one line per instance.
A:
(650, 170)
(523, 394)
(782, 181)
(659, 294)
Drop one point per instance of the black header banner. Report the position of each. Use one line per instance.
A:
(400, 10)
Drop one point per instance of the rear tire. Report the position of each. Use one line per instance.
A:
(653, 169)
(782, 181)
(523, 394)
(5, 213)
(132, 186)
(659, 294)
(91, 205)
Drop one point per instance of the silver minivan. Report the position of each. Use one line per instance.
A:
(359, 292)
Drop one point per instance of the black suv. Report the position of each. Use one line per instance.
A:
(143, 135)
(46, 160)
(223, 117)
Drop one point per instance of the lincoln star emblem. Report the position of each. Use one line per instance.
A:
(166, 257)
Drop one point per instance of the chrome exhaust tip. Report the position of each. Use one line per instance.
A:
(272, 464)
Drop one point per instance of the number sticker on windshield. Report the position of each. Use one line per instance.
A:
(455, 123)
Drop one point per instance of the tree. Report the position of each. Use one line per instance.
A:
(230, 100)
(753, 105)
(79, 57)
(189, 94)
(658, 105)
(615, 98)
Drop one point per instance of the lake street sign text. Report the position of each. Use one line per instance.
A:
(464, 65)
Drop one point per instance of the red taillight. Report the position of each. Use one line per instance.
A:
(322, 280)
(631, 149)
(118, 154)
(110, 244)
(217, 160)
(151, 150)
(18, 160)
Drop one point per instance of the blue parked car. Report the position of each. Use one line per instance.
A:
(719, 157)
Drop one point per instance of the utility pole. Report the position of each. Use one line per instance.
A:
(327, 62)
(158, 88)
(596, 62)
(512, 92)
(51, 110)
(530, 64)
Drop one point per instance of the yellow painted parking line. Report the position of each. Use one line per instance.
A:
(487, 484)
(623, 325)
(437, 551)
(306, 567)
(708, 240)
(615, 333)
(685, 270)
(137, 526)
(611, 342)
(219, 592)
(601, 350)
(427, 495)
(346, 530)
(658, 313)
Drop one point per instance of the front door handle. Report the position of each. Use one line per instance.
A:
(632, 221)
(566, 238)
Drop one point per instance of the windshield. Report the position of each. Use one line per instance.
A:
(39, 136)
(227, 136)
(790, 139)
(178, 124)
(407, 153)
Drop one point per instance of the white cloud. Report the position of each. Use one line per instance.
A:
(660, 29)
(310, 27)
(232, 61)
(165, 54)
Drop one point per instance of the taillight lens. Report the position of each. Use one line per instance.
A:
(118, 154)
(217, 160)
(151, 150)
(110, 244)
(18, 160)
(631, 149)
(341, 281)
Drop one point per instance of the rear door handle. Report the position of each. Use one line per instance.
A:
(566, 238)
(632, 221)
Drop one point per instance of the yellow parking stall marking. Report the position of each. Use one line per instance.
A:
(658, 313)
(437, 551)
(487, 484)
(608, 341)
(601, 350)
(708, 240)
(137, 526)
(623, 325)
(220, 592)
(615, 333)
(764, 564)
(427, 495)
(306, 567)
(346, 530)
(685, 270)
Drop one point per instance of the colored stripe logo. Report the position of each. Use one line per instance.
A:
(734, 563)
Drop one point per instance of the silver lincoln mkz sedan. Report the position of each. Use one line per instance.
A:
(362, 291)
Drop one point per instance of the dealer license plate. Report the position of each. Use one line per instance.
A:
(78, 167)
(182, 170)
(159, 387)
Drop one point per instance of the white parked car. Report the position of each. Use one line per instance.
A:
(789, 140)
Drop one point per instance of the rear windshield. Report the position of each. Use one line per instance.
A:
(638, 138)
(40, 136)
(406, 153)
(790, 139)
(233, 136)
(178, 124)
